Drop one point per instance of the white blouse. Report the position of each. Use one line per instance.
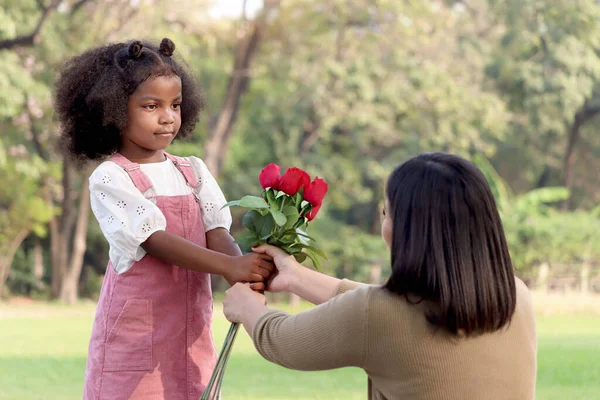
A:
(127, 218)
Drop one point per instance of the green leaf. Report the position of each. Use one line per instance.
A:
(274, 205)
(246, 240)
(304, 203)
(261, 225)
(291, 250)
(253, 202)
(300, 257)
(291, 215)
(280, 194)
(317, 251)
(279, 217)
(298, 199)
(314, 258)
(231, 204)
(304, 234)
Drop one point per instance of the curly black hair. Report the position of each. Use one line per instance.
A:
(93, 89)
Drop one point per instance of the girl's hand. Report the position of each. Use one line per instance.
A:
(287, 268)
(241, 301)
(251, 267)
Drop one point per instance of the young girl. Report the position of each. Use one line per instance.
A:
(151, 337)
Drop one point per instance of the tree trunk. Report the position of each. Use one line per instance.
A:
(7, 255)
(70, 280)
(217, 145)
(61, 228)
(583, 115)
(542, 279)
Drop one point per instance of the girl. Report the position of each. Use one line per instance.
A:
(151, 337)
(451, 323)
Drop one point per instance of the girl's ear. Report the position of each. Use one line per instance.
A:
(167, 47)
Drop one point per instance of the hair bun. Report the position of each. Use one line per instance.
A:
(135, 49)
(167, 47)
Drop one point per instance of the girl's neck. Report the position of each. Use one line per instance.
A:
(143, 156)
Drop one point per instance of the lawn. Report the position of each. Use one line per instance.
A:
(43, 349)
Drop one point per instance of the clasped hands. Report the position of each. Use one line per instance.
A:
(242, 297)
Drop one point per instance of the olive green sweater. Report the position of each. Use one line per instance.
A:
(403, 355)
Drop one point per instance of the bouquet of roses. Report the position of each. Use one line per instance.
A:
(281, 214)
(280, 217)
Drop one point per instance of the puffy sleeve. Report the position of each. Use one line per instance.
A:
(125, 216)
(211, 198)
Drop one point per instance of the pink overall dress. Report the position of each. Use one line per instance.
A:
(151, 337)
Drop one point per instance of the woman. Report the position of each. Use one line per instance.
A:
(451, 322)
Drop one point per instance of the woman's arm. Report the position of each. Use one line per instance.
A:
(293, 277)
(179, 251)
(332, 335)
(311, 285)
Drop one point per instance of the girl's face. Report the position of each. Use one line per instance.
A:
(386, 224)
(153, 119)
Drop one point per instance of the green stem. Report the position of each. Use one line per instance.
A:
(212, 391)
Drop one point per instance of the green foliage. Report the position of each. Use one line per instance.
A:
(280, 222)
(349, 90)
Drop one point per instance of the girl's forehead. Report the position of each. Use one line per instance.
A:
(161, 85)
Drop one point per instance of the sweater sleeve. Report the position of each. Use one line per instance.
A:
(346, 285)
(331, 335)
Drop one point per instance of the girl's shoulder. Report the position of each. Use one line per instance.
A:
(199, 167)
(195, 162)
(107, 168)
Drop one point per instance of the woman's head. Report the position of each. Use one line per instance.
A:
(448, 244)
(106, 96)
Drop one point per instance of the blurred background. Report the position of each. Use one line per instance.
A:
(347, 90)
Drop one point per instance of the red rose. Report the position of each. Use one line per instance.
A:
(293, 180)
(315, 191)
(270, 176)
(314, 194)
(313, 212)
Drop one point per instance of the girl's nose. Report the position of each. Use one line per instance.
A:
(167, 117)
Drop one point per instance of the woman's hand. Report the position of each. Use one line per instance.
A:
(242, 304)
(287, 268)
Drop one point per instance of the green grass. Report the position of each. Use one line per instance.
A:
(43, 349)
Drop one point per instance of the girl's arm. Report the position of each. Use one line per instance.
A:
(134, 226)
(179, 251)
(220, 240)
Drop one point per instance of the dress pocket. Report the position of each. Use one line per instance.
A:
(129, 342)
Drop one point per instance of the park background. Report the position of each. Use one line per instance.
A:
(347, 90)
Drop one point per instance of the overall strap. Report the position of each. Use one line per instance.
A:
(185, 168)
(139, 178)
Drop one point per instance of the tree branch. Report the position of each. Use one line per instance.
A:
(33, 37)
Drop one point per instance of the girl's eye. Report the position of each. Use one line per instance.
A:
(177, 106)
(150, 107)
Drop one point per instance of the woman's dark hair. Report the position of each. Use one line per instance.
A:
(93, 89)
(448, 244)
